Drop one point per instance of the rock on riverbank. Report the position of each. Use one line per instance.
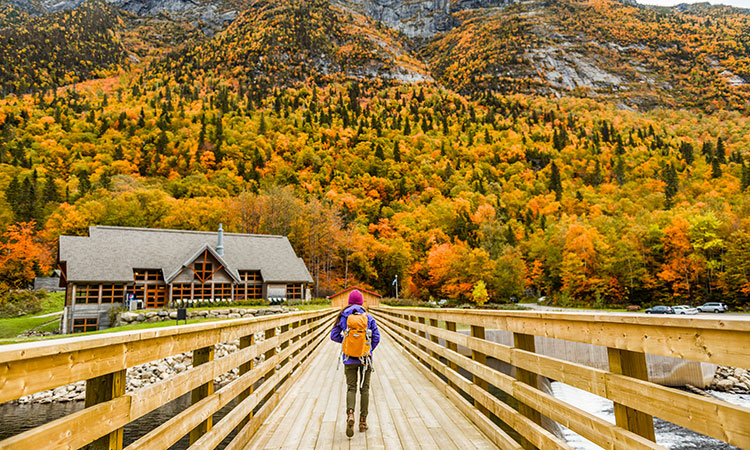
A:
(731, 379)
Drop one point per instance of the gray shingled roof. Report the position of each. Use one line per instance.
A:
(111, 254)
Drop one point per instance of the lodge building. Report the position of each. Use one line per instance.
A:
(115, 266)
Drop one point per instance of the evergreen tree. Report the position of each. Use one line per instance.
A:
(396, 152)
(262, 126)
(715, 168)
(50, 194)
(379, 152)
(596, 177)
(721, 153)
(407, 127)
(555, 183)
(619, 171)
(686, 150)
(745, 180)
(669, 176)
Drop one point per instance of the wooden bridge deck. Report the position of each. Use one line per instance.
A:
(406, 410)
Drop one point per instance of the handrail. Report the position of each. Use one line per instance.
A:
(103, 360)
(627, 337)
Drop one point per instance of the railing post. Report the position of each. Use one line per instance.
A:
(433, 338)
(481, 358)
(202, 356)
(245, 342)
(421, 334)
(269, 354)
(632, 364)
(99, 390)
(526, 342)
(451, 326)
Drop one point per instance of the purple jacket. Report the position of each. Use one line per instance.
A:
(337, 334)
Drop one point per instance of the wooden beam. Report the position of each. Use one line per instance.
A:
(632, 364)
(481, 358)
(202, 356)
(245, 342)
(99, 390)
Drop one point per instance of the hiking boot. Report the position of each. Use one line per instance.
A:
(362, 423)
(350, 423)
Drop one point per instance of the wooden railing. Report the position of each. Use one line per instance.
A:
(517, 423)
(103, 359)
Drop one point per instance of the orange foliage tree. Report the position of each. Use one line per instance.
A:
(22, 257)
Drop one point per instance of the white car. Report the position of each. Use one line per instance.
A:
(684, 309)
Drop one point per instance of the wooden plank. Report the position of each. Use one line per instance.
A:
(481, 358)
(245, 342)
(631, 364)
(99, 390)
(202, 356)
(526, 342)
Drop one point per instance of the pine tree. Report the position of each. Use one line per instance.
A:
(407, 127)
(721, 153)
(379, 152)
(669, 176)
(715, 168)
(396, 151)
(596, 177)
(262, 126)
(686, 150)
(50, 194)
(555, 183)
(620, 171)
(745, 181)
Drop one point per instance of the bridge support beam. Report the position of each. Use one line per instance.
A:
(481, 358)
(245, 342)
(526, 342)
(632, 364)
(452, 346)
(102, 389)
(202, 356)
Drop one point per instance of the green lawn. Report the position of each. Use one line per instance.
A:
(10, 328)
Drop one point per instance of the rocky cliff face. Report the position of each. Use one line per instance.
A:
(417, 18)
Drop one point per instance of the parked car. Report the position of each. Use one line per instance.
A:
(684, 309)
(714, 307)
(660, 310)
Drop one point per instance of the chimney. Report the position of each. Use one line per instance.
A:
(220, 243)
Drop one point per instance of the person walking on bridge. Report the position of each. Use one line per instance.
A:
(358, 335)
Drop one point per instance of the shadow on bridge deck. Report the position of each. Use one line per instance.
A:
(406, 410)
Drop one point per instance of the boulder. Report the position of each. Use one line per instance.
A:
(128, 317)
(234, 316)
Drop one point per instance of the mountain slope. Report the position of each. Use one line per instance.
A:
(697, 57)
(288, 41)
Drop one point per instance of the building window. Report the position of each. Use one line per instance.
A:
(251, 276)
(202, 292)
(181, 291)
(222, 291)
(202, 270)
(87, 293)
(113, 293)
(294, 292)
(148, 275)
(85, 325)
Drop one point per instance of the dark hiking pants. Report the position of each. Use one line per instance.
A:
(352, 383)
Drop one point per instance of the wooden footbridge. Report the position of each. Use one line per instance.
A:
(432, 388)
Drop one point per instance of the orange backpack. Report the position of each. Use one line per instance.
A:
(356, 336)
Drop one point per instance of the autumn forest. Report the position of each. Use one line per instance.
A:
(380, 154)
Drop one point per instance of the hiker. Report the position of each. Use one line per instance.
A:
(358, 335)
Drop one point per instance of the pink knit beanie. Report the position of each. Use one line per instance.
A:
(355, 298)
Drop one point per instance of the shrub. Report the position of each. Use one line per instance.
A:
(21, 302)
